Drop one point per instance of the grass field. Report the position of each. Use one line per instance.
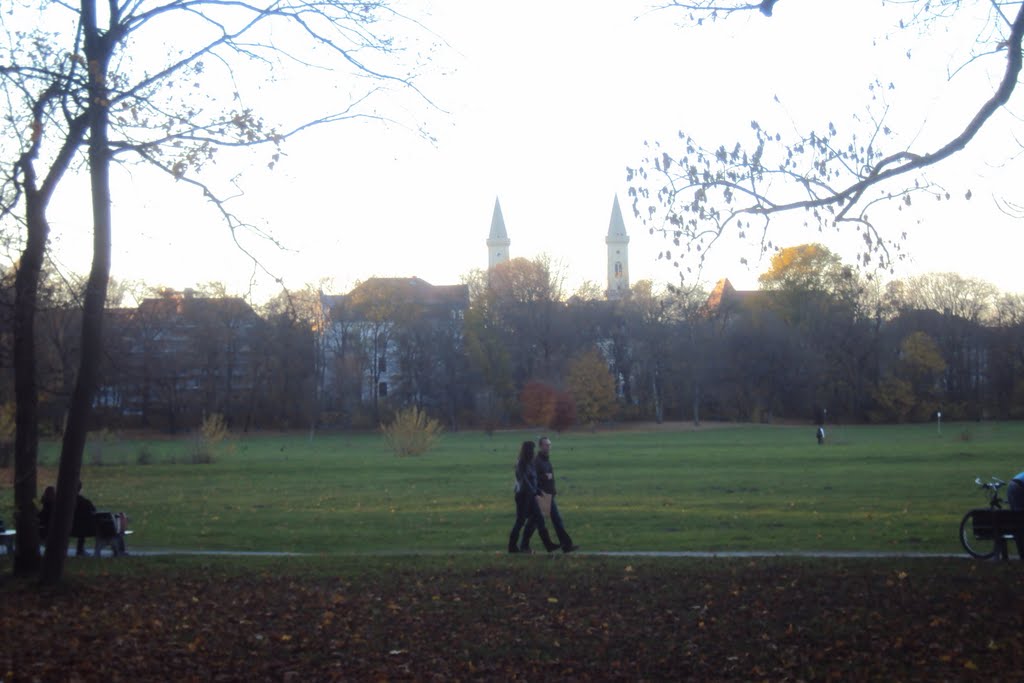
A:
(719, 488)
(459, 608)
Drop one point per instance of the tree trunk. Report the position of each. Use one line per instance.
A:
(26, 287)
(97, 52)
(26, 391)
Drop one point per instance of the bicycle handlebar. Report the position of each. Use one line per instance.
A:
(995, 484)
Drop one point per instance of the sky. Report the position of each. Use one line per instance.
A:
(544, 105)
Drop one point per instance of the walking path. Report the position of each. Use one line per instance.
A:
(821, 554)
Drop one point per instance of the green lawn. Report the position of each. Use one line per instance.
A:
(892, 488)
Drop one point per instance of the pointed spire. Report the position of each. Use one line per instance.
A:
(617, 227)
(618, 254)
(498, 241)
(498, 223)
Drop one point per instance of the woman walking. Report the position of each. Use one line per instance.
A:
(526, 501)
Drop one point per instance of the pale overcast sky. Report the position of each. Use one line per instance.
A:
(545, 105)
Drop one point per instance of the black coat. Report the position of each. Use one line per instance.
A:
(82, 524)
(526, 480)
(545, 474)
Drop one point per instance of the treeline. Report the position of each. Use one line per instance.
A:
(818, 340)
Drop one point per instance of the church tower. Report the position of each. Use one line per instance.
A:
(618, 255)
(498, 241)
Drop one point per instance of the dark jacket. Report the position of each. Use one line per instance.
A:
(82, 523)
(526, 480)
(545, 473)
(45, 513)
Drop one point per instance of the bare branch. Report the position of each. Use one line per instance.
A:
(707, 192)
(234, 223)
(716, 8)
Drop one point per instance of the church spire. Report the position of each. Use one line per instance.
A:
(618, 254)
(498, 241)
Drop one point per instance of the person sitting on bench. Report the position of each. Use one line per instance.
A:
(82, 523)
(46, 511)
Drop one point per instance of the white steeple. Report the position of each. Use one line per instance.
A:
(498, 241)
(618, 254)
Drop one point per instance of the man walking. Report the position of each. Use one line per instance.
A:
(546, 484)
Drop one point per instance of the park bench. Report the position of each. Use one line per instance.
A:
(7, 538)
(1000, 525)
(107, 528)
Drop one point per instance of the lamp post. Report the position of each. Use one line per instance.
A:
(938, 422)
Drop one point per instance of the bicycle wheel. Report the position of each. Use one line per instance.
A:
(977, 534)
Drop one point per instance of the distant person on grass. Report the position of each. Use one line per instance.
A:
(1015, 494)
(546, 484)
(527, 507)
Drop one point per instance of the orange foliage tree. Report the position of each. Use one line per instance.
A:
(537, 403)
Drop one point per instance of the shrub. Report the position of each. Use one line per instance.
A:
(412, 432)
(212, 433)
(144, 456)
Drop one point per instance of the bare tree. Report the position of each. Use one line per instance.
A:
(95, 82)
(695, 194)
(970, 298)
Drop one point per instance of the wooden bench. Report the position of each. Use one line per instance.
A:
(106, 529)
(1001, 525)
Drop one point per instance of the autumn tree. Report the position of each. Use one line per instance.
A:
(810, 268)
(963, 308)
(592, 387)
(537, 403)
(820, 298)
(832, 176)
(912, 389)
(87, 83)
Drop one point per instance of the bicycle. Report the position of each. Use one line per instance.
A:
(985, 531)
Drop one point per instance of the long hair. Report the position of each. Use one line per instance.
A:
(525, 455)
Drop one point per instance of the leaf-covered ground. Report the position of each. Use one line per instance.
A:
(521, 618)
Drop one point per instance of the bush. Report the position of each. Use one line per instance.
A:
(144, 456)
(412, 432)
(212, 433)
